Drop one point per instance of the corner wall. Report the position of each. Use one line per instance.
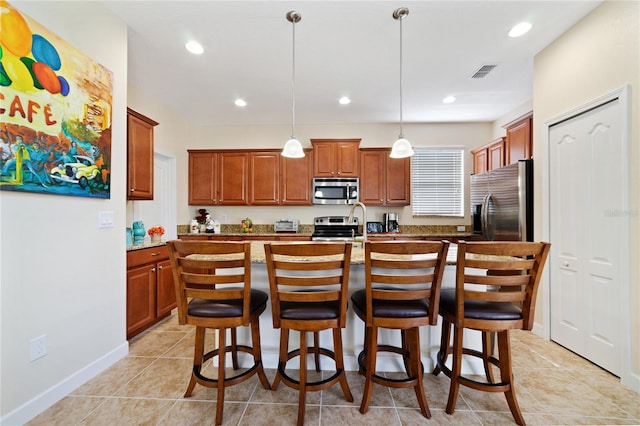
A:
(61, 275)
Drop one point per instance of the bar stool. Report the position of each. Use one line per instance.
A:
(496, 288)
(213, 290)
(403, 280)
(308, 284)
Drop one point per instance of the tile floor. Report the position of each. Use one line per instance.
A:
(554, 387)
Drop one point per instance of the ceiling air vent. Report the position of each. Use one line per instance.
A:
(484, 70)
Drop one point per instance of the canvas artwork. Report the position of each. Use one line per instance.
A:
(55, 113)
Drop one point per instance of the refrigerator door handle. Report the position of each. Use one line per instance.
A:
(486, 232)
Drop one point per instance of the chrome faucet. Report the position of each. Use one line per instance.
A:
(364, 218)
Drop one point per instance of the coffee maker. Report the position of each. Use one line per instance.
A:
(390, 221)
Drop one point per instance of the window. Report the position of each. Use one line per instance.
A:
(436, 182)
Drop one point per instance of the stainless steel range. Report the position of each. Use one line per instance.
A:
(335, 228)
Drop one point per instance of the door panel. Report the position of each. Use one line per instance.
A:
(586, 184)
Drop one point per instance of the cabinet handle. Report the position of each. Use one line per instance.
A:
(159, 267)
(155, 253)
(565, 263)
(153, 269)
(132, 190)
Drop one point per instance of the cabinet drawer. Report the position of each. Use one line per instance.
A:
(148, 255)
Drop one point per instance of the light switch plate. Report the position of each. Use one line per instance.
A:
(105, 219)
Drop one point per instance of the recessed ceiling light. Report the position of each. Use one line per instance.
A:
(194, 47)
(449, 99)
(520, 29)
(344, 100)
(240, 102)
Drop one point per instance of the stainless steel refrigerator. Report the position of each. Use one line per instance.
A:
(502, 202)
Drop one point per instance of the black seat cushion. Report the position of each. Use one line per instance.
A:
(226, 308)
(390, 308)
(477, 309)
(309, 310)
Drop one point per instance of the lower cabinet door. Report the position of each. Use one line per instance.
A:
(141, 298)
(165, 291)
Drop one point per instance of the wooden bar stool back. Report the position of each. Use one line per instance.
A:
(213, 290)
(496, 288)
(308, 285)
(403, 280)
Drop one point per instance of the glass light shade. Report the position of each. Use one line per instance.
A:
(401, 149)
(293, 149)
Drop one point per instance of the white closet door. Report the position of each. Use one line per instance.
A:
(162, 209)
(587, 191)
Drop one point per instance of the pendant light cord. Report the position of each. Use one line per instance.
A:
(401, 132)
(293, 83)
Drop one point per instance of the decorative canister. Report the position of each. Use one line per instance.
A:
(194, 227)
(138, 232)
(129, 237)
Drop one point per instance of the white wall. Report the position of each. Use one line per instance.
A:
(468, 135)
(595, 57)
(61, 276)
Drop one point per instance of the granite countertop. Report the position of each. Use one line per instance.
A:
(357, 252)
(308, 234)
(146, 245)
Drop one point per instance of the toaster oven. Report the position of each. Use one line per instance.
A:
(289, 225)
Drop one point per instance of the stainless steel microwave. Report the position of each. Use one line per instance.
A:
(335, 190)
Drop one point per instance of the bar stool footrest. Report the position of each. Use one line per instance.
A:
(310, 386)
(238, 378)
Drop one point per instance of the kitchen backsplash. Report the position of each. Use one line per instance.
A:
(442, 230)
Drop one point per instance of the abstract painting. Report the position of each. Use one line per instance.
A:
(55, 113)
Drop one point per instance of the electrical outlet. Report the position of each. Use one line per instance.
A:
(224, 217)
(38, 347)
(461, 228)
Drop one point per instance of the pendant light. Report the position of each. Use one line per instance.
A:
(293, 147)
(401, 147)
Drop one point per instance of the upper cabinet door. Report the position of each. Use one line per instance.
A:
(372, 186)
(264, 178)
(233, 172)
(139, 156)
(203, 178)
(495, 154)
(295, 180)
(384, 181)
(336, 157)
(519, 142)
(398, 180)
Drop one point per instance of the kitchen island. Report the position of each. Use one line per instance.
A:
(353, 334)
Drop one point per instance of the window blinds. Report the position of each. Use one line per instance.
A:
(437, 182)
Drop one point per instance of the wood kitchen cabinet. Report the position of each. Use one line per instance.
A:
(217, 177)
(277, 180)
(519, 140)
(151, 294)
(249, 177)
(336, 157)
(264, 178)
(295, 180)
(139, 156)
(490, 156)
(203, 178)
(384, 181)
(233, 178)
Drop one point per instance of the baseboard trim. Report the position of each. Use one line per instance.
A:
(46, 399)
